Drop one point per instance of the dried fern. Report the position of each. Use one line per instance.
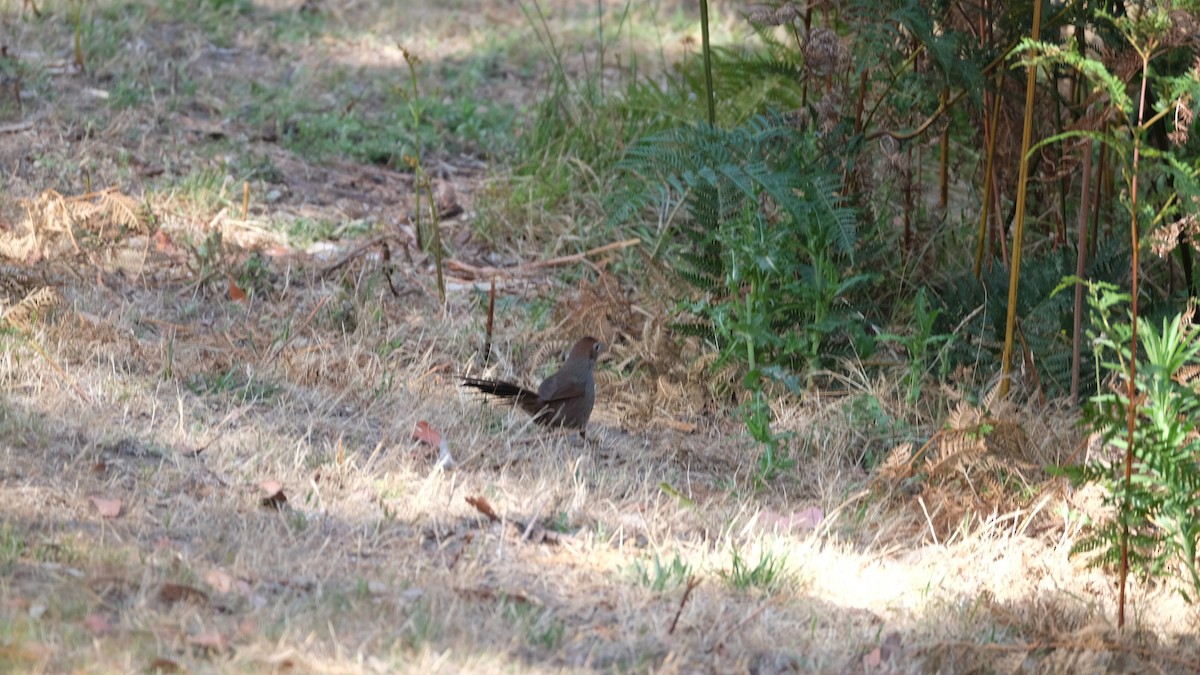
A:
(34, 304)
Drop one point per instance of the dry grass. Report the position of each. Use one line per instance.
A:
(154, 385)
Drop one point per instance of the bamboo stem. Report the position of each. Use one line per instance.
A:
(1019, 220)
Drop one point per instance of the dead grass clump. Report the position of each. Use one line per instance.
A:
(50, 220)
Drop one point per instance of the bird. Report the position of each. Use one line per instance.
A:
(565, 399)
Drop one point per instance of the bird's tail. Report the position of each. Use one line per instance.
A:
(525, 398)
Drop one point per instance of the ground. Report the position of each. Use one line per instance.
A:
(233, 442)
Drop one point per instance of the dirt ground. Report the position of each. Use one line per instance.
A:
(215, 425)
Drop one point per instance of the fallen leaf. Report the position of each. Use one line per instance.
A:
(871, 660)
(162, 665)
(108, 508)
(481, 505)
(209, 639)
(235, 294)
(248, 628)
(173, 593)
(892, 648)
(18, 603)
(164, 244)
(273, 496)
(492, 595)
(805, 519)
(221, 580)
(679, 425)
(427, 434)
(28, 652)
(97, 624)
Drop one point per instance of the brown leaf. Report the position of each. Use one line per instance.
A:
(427, 434)
(209, 639)
(28, 652)
(173, 593)
(162, 665)
(97, 624)
(248, 629)
(805, 519)
(235, 294)
(481, 505)
(221, 580)
(892, 647)
(483, 594)
(273, 496)
(164, 244)
(108, 508)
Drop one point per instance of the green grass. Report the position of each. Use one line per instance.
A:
(658, 575)
(244, 388)
(769, 574)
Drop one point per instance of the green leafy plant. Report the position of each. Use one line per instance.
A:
(922, 344)
(422, 186)
(768, 574)
(657, 575)
(767, 245)
(1157, 511)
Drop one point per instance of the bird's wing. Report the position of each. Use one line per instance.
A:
(554, 388)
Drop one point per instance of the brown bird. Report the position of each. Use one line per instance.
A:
(564, 399)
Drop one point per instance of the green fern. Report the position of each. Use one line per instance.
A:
(1045, 318)
(1157, 513)
(766, 243)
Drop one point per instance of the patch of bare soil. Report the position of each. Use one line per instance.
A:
(223, 451)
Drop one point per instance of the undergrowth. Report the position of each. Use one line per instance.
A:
(1157, 508)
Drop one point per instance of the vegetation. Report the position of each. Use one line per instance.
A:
(828, 247)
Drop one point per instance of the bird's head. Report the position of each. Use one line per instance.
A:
(586, 348)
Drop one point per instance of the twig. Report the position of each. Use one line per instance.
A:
(691, 584)
(1039, 645)
(928, 520)
(358, 250)
(533, 521)
(748, 618)
(61, 373)
(577, 257)
(479, 272)
(14, 128)
(274, 353)
(487, 344)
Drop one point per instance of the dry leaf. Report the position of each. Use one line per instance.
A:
(108, 508)
(27, 652)
(430, 437)
(235, 294)
(161, 665)
(248, 629)
(221, 580)
(481, 505)
(273, 496)
(427, 434)
(891, 649)
(209, 639)
(871, 660)
(97, 624)
(173, 593)
(163, 244)
(485, 594)
(805, 519)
